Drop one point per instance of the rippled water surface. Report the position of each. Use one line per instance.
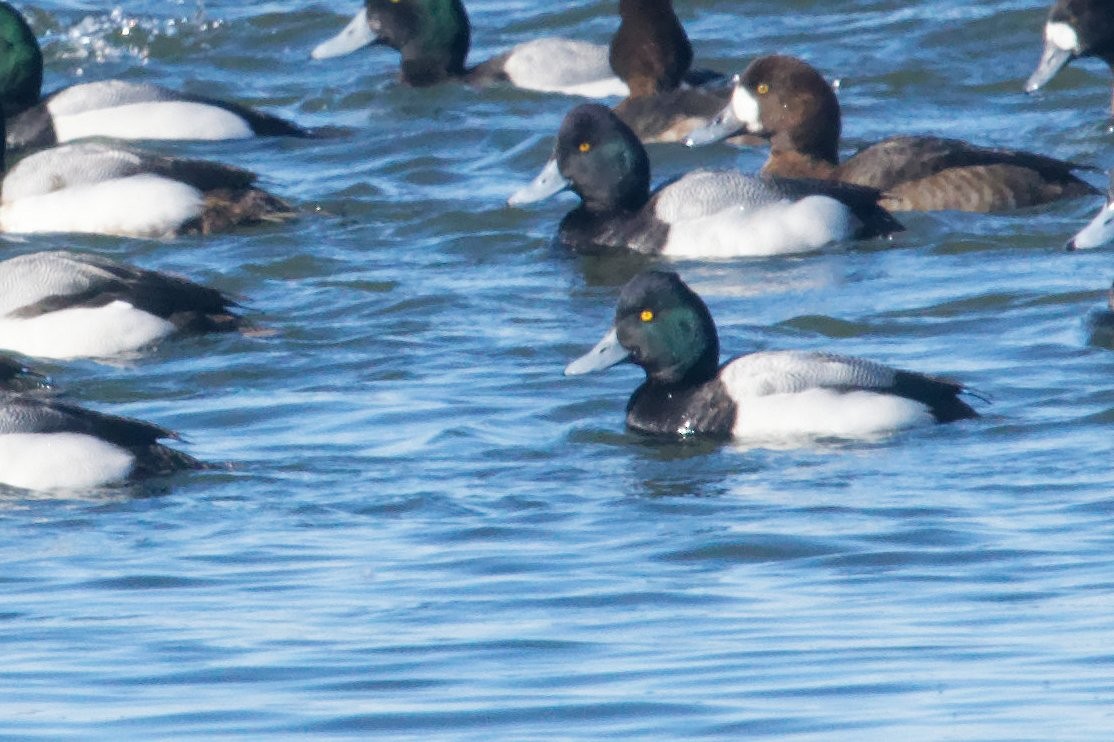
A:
(425, 531)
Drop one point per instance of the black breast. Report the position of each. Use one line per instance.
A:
(660, 409)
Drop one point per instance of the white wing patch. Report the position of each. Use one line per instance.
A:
(61, 461)
(564, 66)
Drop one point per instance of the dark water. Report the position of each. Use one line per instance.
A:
(425, 531)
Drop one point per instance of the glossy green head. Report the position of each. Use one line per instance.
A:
(21, 62)
(432, 36)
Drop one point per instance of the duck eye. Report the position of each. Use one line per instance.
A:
(646, 316)
(763, 88)
(584, 146)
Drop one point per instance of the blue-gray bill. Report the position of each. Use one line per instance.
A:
(605, 354)
(356, 35)
(548, 182)
(1052, 61)
(724, 125)
(1099, 232)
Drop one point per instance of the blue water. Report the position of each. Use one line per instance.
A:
(424, 531)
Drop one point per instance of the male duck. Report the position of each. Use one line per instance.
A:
(702, 214)
(110, 108)
(651, 53)
(102, 189)
(1075, 28)
(48, 444)
(664, 327)
(1101, 229)
(66, 305)
(433, 37)
(787, 101)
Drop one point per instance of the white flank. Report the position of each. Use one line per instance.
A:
(1063, 36)
(61, 461)
(137, 206)
(83, 332)
(1098, 232)
(746, 109)
(152, 120)
(775, 229)
(825, 413)
(564, 66)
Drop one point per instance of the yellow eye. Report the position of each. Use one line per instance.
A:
(763, 88)
(584, 147)
(646, 316)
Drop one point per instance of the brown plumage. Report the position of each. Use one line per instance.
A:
(799, 113)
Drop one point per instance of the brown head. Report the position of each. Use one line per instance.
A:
(650, 52)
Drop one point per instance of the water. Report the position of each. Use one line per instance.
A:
(425, 531)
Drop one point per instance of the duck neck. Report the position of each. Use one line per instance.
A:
(792, 163)
(650, 50)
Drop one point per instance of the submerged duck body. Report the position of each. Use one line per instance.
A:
(47, 444)
(702, 214)
(433, 37)
(1075, 29)
(103, 189)
(665, 328)
(14, 376)
(112, 108)
(788, 102)
(65, 305)
(1101, 323)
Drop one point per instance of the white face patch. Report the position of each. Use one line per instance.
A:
(746, 109)
(1062, 36)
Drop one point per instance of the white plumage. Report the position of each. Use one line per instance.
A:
(61, 461)
(564, 66)
(786, 394)
(722, 214)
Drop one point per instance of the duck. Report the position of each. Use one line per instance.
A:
(651, 53)
(704, 213)
(50, 444)
(1101, 323)
(433, 37)
(100, 188)
(66, 305)
(1100, 230)
(116, 109)
(14, 376)
(1074, 29)
(787, 101)
(664, 327)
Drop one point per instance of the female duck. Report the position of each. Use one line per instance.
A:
(433, 37)
(664, 327)
(65, 305)
(1075, 28)
(47, 444)
(702, 214)
(101, 189)
(787, 101)
(651, 53)
(110, 108)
